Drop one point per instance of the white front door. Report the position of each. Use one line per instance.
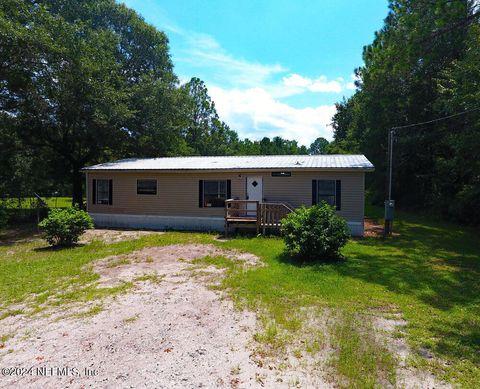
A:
(254, 190)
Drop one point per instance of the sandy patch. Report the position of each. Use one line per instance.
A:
(407, 377)
(113, 236)
(174, 332)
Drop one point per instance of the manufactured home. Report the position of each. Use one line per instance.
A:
(214, 193)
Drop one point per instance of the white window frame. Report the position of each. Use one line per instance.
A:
(148, 179)
(218, 192)
(98, 199)
(334, 192)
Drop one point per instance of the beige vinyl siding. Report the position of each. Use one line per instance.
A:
(177, 193)
(297, 190)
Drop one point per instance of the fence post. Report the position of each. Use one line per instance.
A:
(226, 219)
(259, 216)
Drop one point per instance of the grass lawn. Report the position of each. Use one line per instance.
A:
(28, 202)
(429, 275)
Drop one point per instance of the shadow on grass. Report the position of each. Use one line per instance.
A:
(460, 339)
(433, 272)
(298, 261)
(20, 233)
(438, 264)
(59, 247)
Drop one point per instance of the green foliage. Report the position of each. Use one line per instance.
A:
(319, 146)
(315, 233)
(89, 81)
(3, 216)
(73, 72)
(63, 227)
(423, 64)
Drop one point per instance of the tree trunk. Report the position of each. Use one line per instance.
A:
(77, 181)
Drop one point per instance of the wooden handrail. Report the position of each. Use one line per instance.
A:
(280, 203)
(240, 201)
(264, 214)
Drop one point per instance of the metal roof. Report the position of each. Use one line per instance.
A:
(251, 162)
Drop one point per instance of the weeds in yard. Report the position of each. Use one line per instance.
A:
(90, 293)
(217, 261)
(4, 338)
(313, 346)
(51, 277)
(428, 275)
(95, 310)
(8, 313)
(361, 359)
(117, 262)
(153, 278)
(131, 319)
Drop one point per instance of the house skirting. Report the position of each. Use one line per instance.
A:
(156, 222)
(356, 228)
(189, 223)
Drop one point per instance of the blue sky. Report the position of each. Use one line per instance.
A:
(272, 67)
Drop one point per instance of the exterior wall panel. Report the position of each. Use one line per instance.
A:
(177, 193)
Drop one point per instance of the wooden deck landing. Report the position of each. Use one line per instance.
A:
(254, 214)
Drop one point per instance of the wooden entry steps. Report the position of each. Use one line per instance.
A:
(254, 214)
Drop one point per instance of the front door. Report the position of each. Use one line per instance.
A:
(254, 191)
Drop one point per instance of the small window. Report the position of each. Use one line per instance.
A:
(147, 187)
(214, 193)
(103, 191)
(326, 191)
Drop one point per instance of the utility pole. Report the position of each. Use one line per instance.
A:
(389, 203)
(390, 163)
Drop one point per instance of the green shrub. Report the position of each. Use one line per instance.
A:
(3, 216)
(63, 227)
(315, 233)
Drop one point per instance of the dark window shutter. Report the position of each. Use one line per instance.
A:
(110, 192)
(94, 191)
(314, 192)
(338, 195)
(229, 189)
(200, 193)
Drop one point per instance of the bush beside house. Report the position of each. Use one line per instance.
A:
(63, 227)
(3, 216)
(315, 233)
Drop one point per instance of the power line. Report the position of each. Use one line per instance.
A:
(435, 120)
(391, 134)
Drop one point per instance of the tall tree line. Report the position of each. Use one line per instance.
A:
(89, 81)
(423, 64)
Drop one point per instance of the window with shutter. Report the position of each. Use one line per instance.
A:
(214, 193)
(103, 192)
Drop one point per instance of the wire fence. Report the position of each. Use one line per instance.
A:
(29, 209)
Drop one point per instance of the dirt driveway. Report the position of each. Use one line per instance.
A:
(169, 331)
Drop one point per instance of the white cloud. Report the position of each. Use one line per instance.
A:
(296, 80)
(255, 113)
(248, 95)
(301, 84)
(351, 85)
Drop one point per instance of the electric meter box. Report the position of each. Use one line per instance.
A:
(389, 209)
